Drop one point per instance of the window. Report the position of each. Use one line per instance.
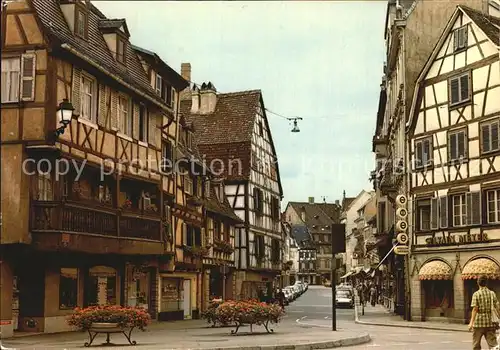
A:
(493, 206)
(261, 129)
(275, 208)
(44, 187)
(460, 38)
(188, 184)
(423, 149)
(167, 157)
(258, 200)
(490, 137)
(159, 84)
(68, 288)
(143, 123)
(260, 247)
(217, 231)
(11, 70)
(168, 94)
(88, 98)
(457, 145)
(459, 89)
(424, 215)
(459, 211)
(124, 117)
(81, 24)
(120, 50)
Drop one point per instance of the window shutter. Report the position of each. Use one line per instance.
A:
(473, 208)
(427, 152)
(114, 109)
(102, 110)
(434, 214)
(461, 139)
(152, 129)
(28, 72)
(419, 149)
(184, 233)
(464, 87)
(456, 39)
(486, 138)
(495, 140)
(443, 212)
(135, 121)
(77, 81)
(464, 36)
(453, 147)
(454, 90)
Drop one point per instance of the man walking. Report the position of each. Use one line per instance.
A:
(480, 323)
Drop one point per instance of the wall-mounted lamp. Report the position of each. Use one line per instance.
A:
(64, 113)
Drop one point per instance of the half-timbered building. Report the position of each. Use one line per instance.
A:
(318, 218)
(455, 168)
(84, 221)
(235, 139)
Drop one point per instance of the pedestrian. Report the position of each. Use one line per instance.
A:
(373, 295)
(484, 319)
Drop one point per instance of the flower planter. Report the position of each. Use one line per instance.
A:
(109, 320)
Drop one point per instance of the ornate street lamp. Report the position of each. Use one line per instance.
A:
(64, 113)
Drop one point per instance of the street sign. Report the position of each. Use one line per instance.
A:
(401, 250)
(402, 238)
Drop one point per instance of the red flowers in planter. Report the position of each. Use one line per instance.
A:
(249, 311)
(127, 317)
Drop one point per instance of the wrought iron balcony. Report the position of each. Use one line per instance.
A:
(71, 217)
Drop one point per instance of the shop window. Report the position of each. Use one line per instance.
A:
(438, 294)
(172, 296)
(68, 288)
(44, 187)
(101, 286)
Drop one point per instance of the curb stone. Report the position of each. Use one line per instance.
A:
(406, 325)
(362, 339)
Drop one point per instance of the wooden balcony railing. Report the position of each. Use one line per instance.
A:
(74, 217)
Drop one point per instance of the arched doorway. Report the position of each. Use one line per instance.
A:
(101, 287)
(436, 277)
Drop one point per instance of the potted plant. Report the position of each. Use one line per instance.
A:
(127, 204)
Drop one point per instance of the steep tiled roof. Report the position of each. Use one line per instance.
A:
(489, 25)
(237, 155)
(232, 120)
(95, 48)
(213, 205)
(316, 219)
(301, 234)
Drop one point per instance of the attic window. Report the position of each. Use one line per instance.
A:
(120, 50)
(460, 38)
(81, 23)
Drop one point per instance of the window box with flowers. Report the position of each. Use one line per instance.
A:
(223, 246)
(109, 320)
(196, 251)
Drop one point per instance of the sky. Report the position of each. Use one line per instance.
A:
(318, 60)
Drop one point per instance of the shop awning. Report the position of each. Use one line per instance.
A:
(481, 267)
(346, 275)
(435, 270)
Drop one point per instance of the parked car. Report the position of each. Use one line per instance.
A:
(344, 298)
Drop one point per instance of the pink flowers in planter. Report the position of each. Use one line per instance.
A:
(126, 317)
(249, 312)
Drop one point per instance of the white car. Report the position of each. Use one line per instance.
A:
(344, 298)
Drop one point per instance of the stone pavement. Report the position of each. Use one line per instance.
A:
(380, 316)
(197, 335)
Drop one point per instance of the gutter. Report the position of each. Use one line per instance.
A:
(75, 52)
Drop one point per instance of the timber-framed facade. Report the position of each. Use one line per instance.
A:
(454, 187)
(117, 223)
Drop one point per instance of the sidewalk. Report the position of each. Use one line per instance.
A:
(196, 335)
(378, 315)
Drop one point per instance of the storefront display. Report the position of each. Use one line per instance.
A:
(172, 294)
(138, 288)
(101, 286)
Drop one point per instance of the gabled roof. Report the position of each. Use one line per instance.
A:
(227, 132)
(317, 215)
(114, 24)
(214, 205)
(489, 25)
(174, 78)
(301, 234)
(94, 50)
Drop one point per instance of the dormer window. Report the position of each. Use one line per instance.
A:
(120, 50)
(81, 24)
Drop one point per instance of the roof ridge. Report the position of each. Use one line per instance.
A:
(243, 92)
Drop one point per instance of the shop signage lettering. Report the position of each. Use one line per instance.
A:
(457, 239)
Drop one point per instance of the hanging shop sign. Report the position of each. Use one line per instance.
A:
(401, 250)
(457, 239)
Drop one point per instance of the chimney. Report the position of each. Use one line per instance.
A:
(186, 74)
(303, 214)
(195, 95)
(208, 98)
(311, 200)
